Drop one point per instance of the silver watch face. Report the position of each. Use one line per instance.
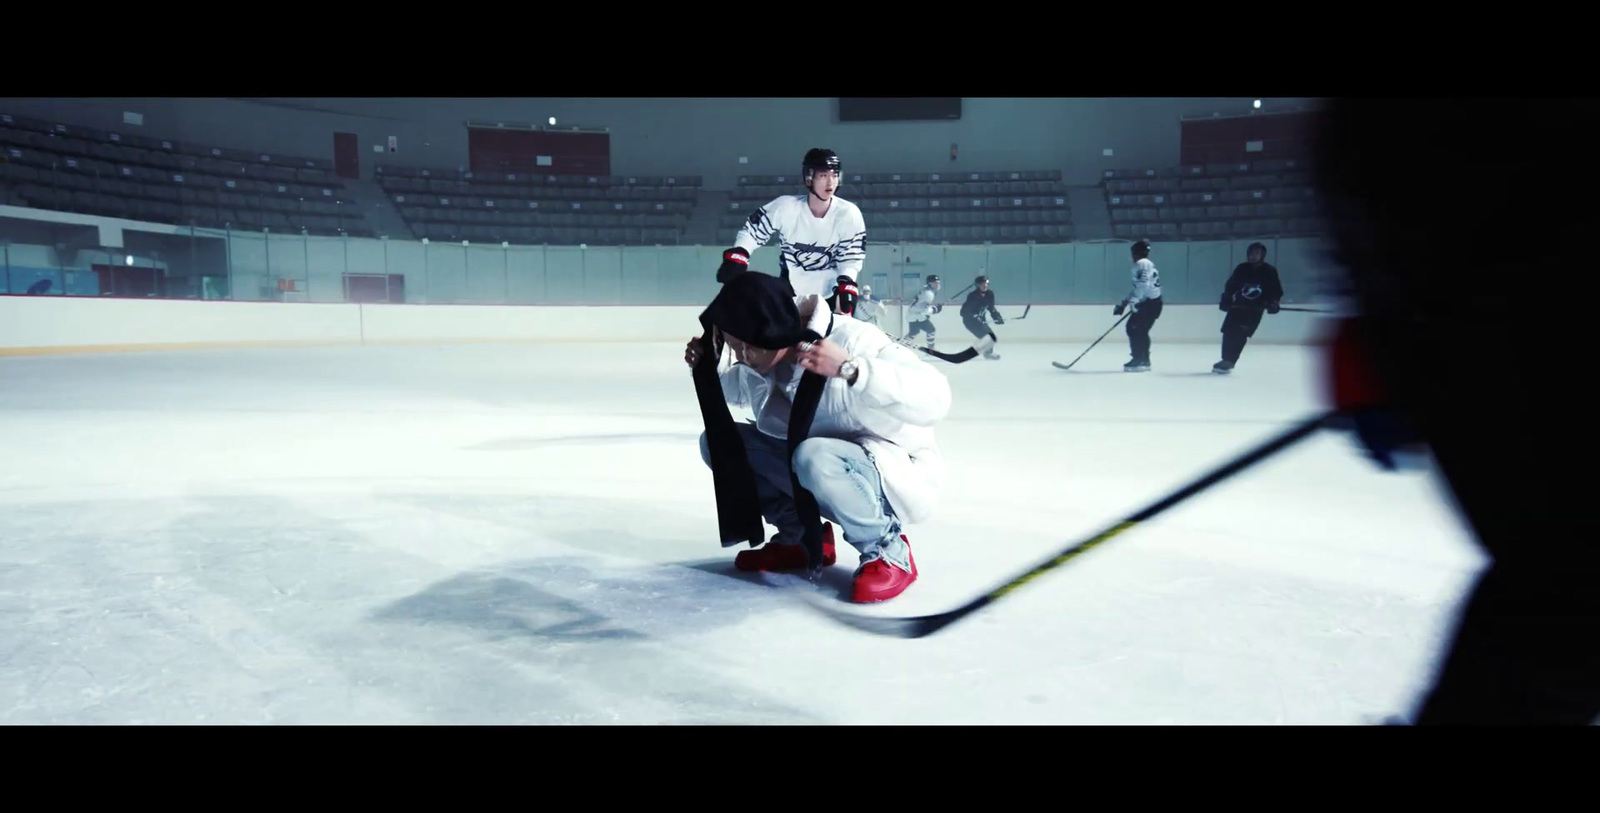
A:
(847, 369)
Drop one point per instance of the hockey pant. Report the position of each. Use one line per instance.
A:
(976, 326)
(840, 474)
(1237, 328)
(1139, 324)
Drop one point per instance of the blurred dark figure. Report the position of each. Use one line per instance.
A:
(1466, 340)
(1253, 289)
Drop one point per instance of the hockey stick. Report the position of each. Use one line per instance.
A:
(1019, 318)
(1086, 350)
(952, 299)
(1022, 317)
(1296, 310)
(984, 345)
(920, 626)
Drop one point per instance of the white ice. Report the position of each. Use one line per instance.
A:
(488, 534)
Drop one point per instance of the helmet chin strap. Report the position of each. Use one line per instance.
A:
(811, 190)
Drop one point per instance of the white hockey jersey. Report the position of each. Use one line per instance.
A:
(1146, 282)
(814, 251)
(869, 310)
(923, 306)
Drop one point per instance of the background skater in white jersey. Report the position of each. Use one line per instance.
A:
(1145, 299)
(922, 310)
(867, 309)
(822, 237)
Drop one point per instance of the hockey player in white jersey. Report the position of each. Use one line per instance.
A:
(867, 309)
(1145, 299)
(822, 237)
(921, 313)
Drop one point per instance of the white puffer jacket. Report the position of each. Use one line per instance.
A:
(890, 410)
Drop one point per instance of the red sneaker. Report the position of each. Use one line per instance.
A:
(879, 580)
(785, 557)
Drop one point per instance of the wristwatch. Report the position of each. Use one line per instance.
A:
(847, 371)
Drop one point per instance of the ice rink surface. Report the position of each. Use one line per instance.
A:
(525, 533)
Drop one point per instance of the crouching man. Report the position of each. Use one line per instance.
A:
(862, 408)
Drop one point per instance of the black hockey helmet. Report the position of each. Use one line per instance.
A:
(819, 158)
(1141, 249)
(933, 278)
(980, 280)
(1253, 247)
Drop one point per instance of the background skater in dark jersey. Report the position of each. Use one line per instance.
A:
(972, 314)
(1252, 289)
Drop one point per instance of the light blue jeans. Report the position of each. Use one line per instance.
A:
(843, 478)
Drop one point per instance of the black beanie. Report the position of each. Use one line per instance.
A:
(759, 309)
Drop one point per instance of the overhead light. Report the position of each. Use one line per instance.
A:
(552, 121)
(1258, 104)
(130, 259)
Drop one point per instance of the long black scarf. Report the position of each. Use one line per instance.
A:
(747, 307)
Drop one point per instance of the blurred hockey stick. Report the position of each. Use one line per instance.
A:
(984, 345)
(920, 626)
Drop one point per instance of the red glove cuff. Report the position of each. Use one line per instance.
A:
(1352, 376)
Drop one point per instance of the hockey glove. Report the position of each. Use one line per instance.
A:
(735, 261)
(1385, 432)
(844, 295)
(1387, 438)
(1272, 307)
(1117, 311)
(999, 320)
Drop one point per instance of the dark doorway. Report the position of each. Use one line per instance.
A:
(128, 280)
(347, 156)
(375, 288)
